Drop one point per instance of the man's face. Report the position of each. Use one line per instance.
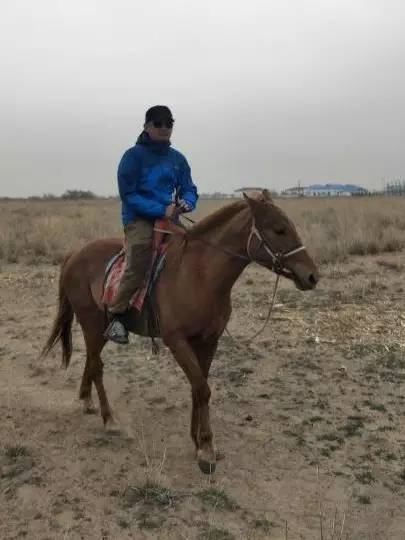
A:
(159, 130)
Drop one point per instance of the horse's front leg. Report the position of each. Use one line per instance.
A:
(204, 349)
(202, 435)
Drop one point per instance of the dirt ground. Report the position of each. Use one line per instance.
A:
(311, 418)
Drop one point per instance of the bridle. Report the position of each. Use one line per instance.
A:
(277, 258)
(278, 267)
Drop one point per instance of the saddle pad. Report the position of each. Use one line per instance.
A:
(162, 230)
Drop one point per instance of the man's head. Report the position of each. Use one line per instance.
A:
(159, 123)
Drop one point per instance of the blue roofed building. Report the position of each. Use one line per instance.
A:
(330, 190)
(325, 190)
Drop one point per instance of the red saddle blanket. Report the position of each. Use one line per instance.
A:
(162, 230)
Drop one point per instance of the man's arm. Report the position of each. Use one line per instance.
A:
(187, 192)
(129, 171)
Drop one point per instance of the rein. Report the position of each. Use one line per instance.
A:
(270, 311)
(277, 260)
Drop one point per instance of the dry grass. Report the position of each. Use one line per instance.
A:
(34, 231)
(333, 229)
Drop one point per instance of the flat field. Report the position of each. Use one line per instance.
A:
(311, 416)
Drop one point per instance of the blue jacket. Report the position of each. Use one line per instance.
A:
(151, 175)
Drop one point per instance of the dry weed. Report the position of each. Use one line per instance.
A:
(332, 229)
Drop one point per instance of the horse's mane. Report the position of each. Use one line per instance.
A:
(215, 219)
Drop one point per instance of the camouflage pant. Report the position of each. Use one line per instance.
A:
(138, 235)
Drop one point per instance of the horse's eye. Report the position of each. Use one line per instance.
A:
(280, 230)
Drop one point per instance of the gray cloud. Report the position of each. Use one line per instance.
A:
(263, 92)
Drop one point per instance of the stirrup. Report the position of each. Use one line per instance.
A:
(116, 332)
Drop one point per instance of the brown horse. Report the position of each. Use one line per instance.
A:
(192, 298)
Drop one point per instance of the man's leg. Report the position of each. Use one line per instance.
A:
(138, 256)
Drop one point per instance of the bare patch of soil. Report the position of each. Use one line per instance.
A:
(311, 417)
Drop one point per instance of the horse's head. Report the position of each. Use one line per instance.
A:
(274, 243)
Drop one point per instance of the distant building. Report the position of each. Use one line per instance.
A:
(297, 191)
(334, 190)
(325, 190)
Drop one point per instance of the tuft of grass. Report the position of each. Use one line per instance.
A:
(151, 493)
(315, 418)
(353, 426)
(123, 523)
(390, 265)
(364, 499)
(217, 498)
(16, 451)
(386, 428)
(146, 520)
(375, 406)
(264, 524)
(394, 359)
(365, 477)
(331, 437)
(215, 533)
(239, 376)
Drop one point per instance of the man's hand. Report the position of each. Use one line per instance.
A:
(184, 205)
(170, 210)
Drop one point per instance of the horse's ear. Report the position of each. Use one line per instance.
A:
(253, 203)
(266, 195)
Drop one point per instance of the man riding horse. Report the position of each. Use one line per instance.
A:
(192, 297)
(154, 181)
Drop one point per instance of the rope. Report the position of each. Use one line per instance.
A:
(270, 311)
(278, 268)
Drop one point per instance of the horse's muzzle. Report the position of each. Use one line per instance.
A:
(306, 280)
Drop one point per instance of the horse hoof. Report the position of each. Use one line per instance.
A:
(206, 467)
(112, 427)
(88, 406)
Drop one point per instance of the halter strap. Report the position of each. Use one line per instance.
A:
(277, 258)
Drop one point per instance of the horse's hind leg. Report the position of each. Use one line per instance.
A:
(97, 377)
(93, 326)
(85, 388)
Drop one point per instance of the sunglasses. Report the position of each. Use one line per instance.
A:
(160, 123)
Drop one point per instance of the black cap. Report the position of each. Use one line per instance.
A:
(158, 112)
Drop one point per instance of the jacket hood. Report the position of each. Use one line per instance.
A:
(158, 147)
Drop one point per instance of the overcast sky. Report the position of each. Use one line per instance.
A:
(264, 92)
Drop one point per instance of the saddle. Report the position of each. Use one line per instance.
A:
(141, 320)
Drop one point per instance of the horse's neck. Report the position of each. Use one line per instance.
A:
(226, 251)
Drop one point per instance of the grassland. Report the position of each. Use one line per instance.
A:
(333, 229)
(310, 416)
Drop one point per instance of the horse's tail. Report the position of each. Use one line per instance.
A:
(62, 325)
